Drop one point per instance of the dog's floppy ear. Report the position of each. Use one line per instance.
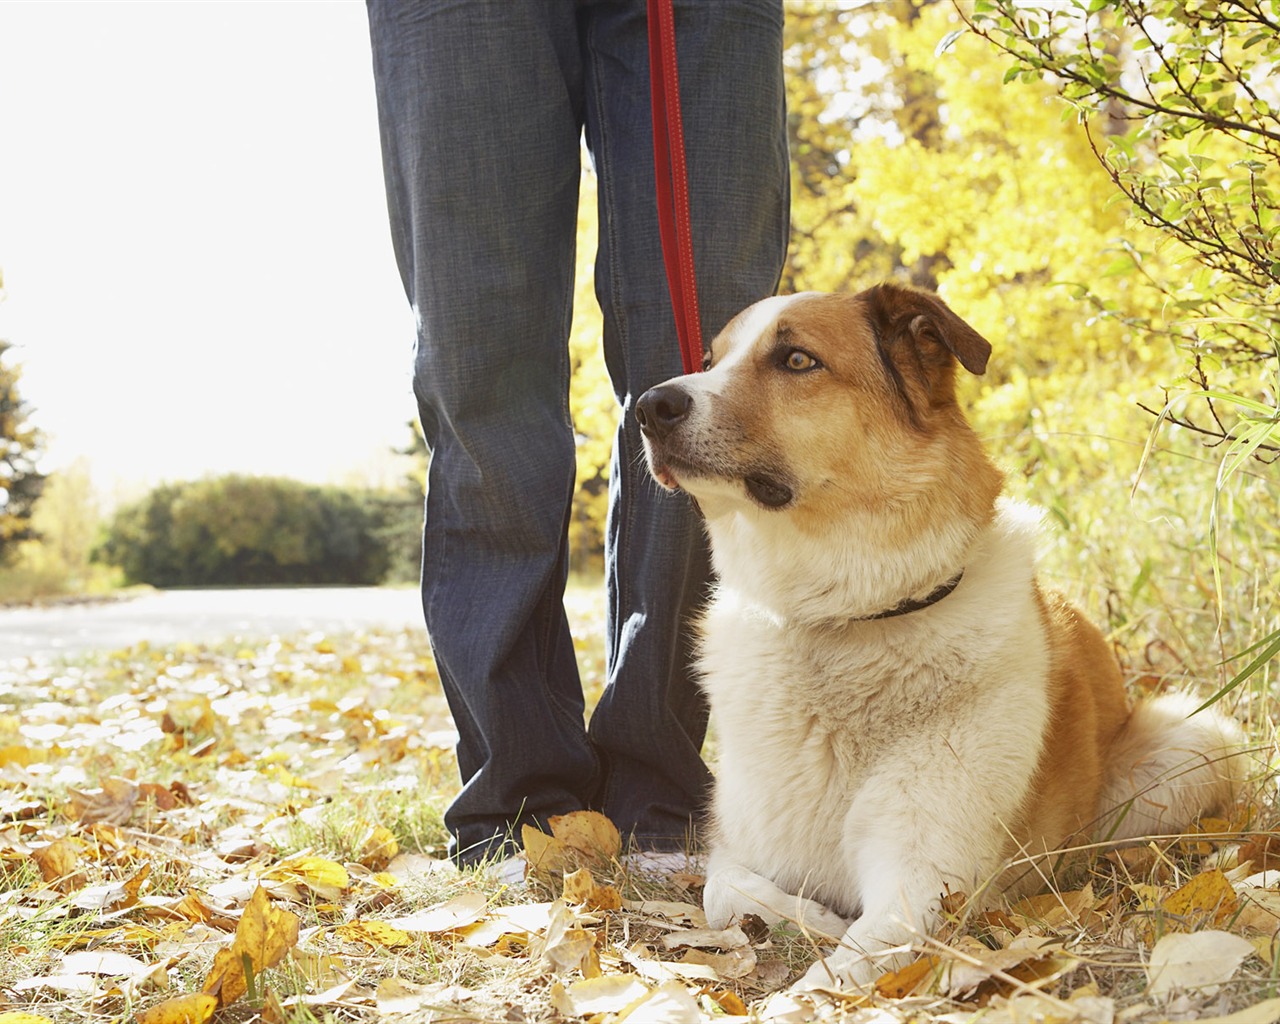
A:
(926, 318)
(920, 339)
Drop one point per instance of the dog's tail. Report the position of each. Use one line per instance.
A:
(1168, 766)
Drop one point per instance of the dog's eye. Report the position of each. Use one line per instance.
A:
(798, 361)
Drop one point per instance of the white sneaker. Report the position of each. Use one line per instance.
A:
(508, 871)
(661, 863)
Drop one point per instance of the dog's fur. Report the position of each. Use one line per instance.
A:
(870, 764)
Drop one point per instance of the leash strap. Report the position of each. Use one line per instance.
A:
(672, 179)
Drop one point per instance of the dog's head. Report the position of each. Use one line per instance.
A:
(816, 406)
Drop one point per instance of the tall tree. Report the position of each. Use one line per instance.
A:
(20, 448)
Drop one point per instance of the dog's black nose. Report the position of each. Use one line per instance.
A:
(661, 409)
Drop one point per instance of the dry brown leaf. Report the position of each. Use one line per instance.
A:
(59, 864)
(728, 1001)
(900, 984)
(977, 964)
(396, 996)
(684, 914)
(193, 1008)
(1267, 1012)
(113, 803)
(263, 936)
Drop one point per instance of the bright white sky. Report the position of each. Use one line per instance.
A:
(194, 241)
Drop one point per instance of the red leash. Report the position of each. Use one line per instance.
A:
(673, 182)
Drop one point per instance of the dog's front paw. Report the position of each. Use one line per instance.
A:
(842, 973)
(733, 892)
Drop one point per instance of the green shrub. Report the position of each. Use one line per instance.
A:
(245, 530)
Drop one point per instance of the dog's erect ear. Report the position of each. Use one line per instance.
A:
(898, 313)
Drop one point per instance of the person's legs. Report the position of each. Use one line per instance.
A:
(480, 109)
(651, 721)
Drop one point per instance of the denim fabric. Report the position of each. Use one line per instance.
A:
(482, 105)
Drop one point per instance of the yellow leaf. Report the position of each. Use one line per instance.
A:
(588, 832)
(22, 756)
(193, 1008)
(546, 855)
(581, 888)
(326, 878)
(377, 848)
(18, 1017)
(1208, 898)
(591, 996)
(374, 933)
(263, 937)
(59, 864)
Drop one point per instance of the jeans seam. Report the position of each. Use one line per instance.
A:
(605, 185)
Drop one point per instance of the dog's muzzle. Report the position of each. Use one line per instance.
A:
(661, 409)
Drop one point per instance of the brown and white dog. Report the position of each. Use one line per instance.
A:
(902, 711)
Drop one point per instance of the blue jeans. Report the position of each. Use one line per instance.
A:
(482, 105)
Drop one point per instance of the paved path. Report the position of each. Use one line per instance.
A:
(198, 616)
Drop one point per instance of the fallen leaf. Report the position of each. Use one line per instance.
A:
(396, 997)
(900, 984)
(728, 1001)
(520, 919)
(609, 994)
(263, 937)
(704, 938)
(377, 848)
(737, 963)
(59, 864)
(1267, 1012)
(113, 803)
(670, 1003)
(193, 1008)
(962, 975)
(1199, 961)
(683, 914)
(547, 857)
(444, 917)
(1208, 898)
(566, 945)
(326, 878)
(580, 888)
(589, 833)
(374, 933)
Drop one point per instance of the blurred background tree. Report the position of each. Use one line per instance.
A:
(20, 447)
